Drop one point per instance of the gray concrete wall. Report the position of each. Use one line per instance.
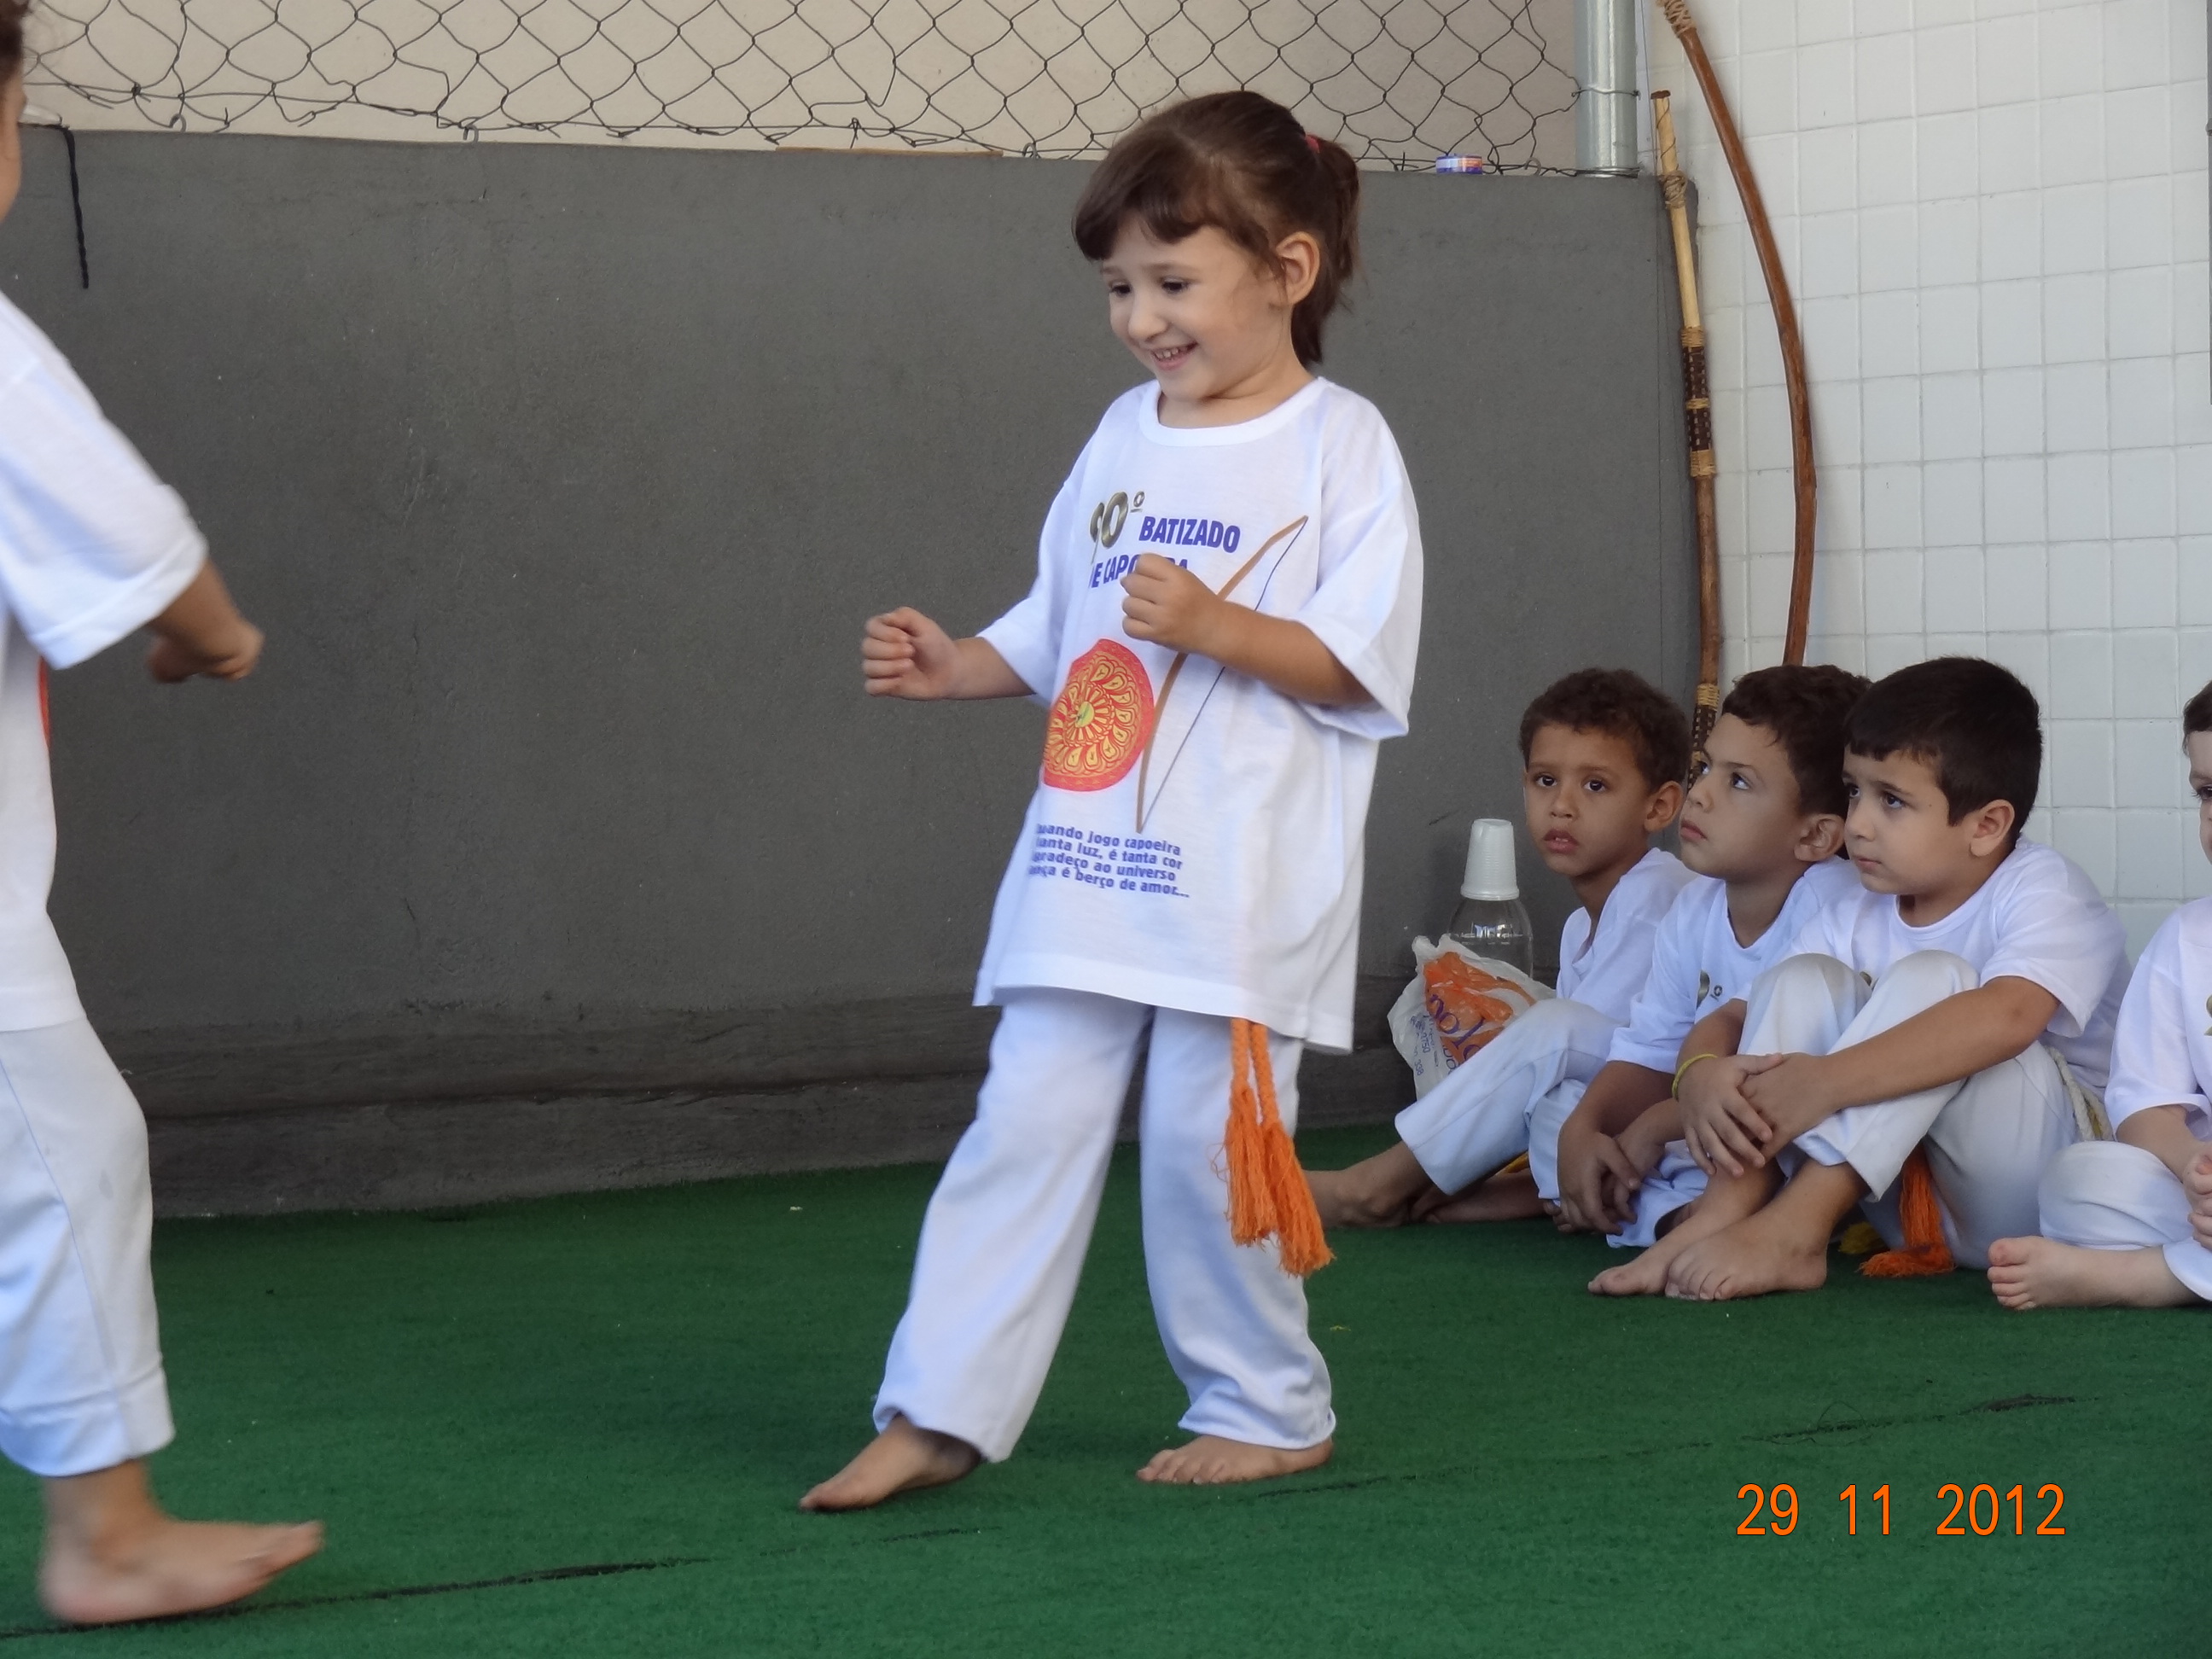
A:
(563, 478)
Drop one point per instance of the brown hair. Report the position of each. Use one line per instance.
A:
(1621, 705)
(12, 13)
(1971, 722)
(2196, 713)
(1242, 164)
(1805, 709)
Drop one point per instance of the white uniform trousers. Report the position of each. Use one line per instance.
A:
(1674, 1181)
(1003, 1242)
(1990, 1136)
(2108, 1196)
(1512, 1096)
(81, 1382)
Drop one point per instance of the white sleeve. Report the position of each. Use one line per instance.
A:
(2151, 1047)
(1029, 636)
(92, 546)
(2069, 943)
(1667, 1008)
(1366, 606)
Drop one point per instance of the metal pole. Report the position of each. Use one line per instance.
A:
(1605, 64)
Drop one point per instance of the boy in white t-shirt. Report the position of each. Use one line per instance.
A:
(1958, 1001)
(1761, 827)
(1602, 756)
(93, 547)
(2128, 1222)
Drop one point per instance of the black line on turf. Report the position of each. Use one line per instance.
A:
(1333, 1486)
(1852, 1425)
(398, 1593)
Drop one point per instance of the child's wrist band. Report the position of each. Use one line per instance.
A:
(1675, 1089)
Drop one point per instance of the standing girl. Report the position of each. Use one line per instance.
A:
(1224, 620)
(93, 547)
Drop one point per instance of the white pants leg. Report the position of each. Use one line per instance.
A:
(80, 1381)
(1002, 1245)
(1990, 1136)
(2108, 1196)
(1234, 1322)
(1481, 1116)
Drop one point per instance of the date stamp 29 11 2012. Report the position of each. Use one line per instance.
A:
(1976, 1511)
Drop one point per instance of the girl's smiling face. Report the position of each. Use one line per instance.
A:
(1211, 324)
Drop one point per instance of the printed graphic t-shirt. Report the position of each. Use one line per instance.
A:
(92, 547)
(2037, 918)
(2162, 1051)
(1697, 965)
(1196, 838)
(1605, 969)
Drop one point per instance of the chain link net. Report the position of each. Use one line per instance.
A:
(1399, 83)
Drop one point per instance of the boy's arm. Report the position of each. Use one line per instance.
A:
(1959, 1037)
(201, 632)
(1168, 605)
(905, 654)
(2163, 1131)
(1589, 1143)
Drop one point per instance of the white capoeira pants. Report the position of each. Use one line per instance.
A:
(1512, 1096)
(2108, 1196)
(1004, 1239)
(1990, 1136)
(80, 1381)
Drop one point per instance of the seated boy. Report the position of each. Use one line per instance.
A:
(1602, 757)
(1922, 1009)
(1762, 826)
(2128, 1222)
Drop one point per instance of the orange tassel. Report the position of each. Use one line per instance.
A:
(1925, 1254)
(1268, 1197)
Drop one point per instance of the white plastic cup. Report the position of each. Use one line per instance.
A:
(1489, 873)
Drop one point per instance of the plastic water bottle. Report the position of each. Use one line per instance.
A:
(1491, 920)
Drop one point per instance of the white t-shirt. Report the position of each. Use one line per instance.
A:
(2037, 918)
(1606, 969)
(2162, 1049)
(1196, 839)
(92, 546)
(1697, 965)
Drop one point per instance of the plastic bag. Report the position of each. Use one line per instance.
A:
(1454, 1005)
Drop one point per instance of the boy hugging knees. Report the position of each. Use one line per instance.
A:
(2127, 1222)
(1761, 828)
(1959, 1000)
(1602, 757)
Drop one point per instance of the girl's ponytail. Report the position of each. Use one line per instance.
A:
(1338, 233)
(1242, 164)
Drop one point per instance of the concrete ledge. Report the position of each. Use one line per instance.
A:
(246, 1124)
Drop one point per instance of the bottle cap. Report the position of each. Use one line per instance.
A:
(1489, 862)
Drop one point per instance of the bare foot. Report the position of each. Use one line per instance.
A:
(1377, 1192)
(1211, 1461)
(903, 1458)
(1723, 1203)
(2042, 1273)
(112, 1555)
(1757, 1255)
(1502, 1197)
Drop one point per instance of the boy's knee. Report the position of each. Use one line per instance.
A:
(1808, 974)
(1929, 976)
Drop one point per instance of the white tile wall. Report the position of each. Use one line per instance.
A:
(1994, 216)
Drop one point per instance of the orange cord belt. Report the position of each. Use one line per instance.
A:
(1268, 1197)
(1925, 1253)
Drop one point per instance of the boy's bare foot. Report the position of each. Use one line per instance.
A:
(112, 1555)
(903, 1458)
(2042, 1273)
(1757, 1255)
(1502, 1197)
(1723, 1203)
(1377, 1192)
(1211, 1461)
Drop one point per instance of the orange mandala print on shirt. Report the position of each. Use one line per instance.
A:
(1097, 727)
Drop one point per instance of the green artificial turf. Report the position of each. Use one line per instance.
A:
(476, 1402)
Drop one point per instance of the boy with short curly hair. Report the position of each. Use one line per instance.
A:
(1603, 752)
